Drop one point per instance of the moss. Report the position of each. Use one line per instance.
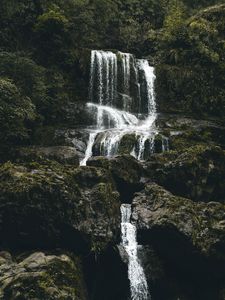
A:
(198, 221)
(60, 277)
(127, 144)
(50, 199)
(195, 172)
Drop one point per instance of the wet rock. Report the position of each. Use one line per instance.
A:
(189, 238)
(54, 206)
(51, 136)
(127, 144)
(184, 132)
(106, 276)
(198, 173)
(41, 276)
(61, 154)
(126, 171)
(202, 224)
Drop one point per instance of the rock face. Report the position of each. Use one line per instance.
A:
(126, 172)
(49, 136)
(157, 208)
(42, 277)
(61, 154)
(51, 205)
(198, 173)
(189, 237)
(184, 132)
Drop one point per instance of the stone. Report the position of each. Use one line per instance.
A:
(189, 238)
(61, 154)
(197, 173)
(42, 277)
(126, 171)
(49, 205)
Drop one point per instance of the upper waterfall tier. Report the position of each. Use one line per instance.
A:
(122, 81)
(121, 102)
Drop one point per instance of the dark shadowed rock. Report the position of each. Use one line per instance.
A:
(188, 236)
(50, 205)
(202, 224)
(61, 154)
(107, 277)
(42, 277)
(126, 171)
(198, 173)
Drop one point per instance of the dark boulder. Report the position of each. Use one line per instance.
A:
(42, 277)
(61, 154)
(188, 236)
(198, 173)
(50, 205)
(202, 224)
(126, 171)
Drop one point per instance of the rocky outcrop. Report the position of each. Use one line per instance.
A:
(198, 173)
(61, 154)
(40, 276)
(55, 136)
(48, 205)
(188, 236)
(106, 276)
(157, 208)
(126, 172)
(184, 131)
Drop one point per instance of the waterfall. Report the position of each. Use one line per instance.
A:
(149, 76)
(126, 64)
(103, 77)
(121, 74)
(165, 144)
(138, 282)
(111, 117)
(90, 144)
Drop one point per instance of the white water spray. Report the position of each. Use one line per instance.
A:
(90, 145)
(112, 123)
(138, 282)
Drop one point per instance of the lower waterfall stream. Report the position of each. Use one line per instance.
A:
(138, 282)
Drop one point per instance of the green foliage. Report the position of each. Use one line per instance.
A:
(26, 74)
(44, 46)
(16, 112)
(174, 22)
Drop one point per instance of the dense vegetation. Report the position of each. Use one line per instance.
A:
(44, 55)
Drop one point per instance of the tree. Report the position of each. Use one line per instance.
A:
(16, 111)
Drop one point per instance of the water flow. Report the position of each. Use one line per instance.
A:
(149, 76)
(126, 63)
(138, 282)
(165, 144)
(112, 123)
(90, 145)
(103, 77)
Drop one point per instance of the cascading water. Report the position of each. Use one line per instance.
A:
(103, 77)
(138, 282)
(90, 144)
(165, 144)
(122, 99)
(105, 88)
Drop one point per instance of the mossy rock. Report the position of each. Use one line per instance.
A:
(127, 144)
(126, 171)
(188, 236)
(49, 205)
(61, 154)
(41, 276)
(197, 173)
